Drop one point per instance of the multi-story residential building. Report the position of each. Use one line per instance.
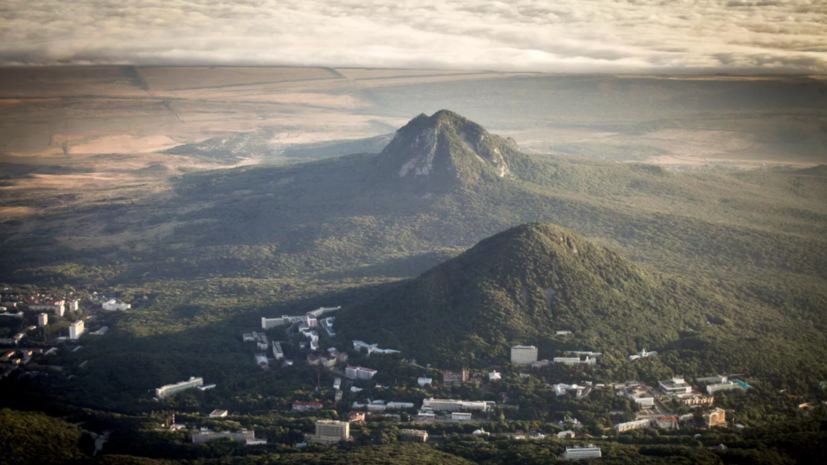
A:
(523, 355)
(675, 386)
(359, 372)
(331, 431)
(172, 389)
(577, 452)
(73, 305)
(57, 306)
(715, 417)
(451, 377)
(414, 435)
(631, 425)
(76, 330)
(448, 405)
(206, 436)
(693, 401)
(42, 319)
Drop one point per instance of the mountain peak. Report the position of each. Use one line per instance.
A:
(517, 287)
(443, 151)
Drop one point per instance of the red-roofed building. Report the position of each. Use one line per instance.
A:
(667, 423)
(298, 405)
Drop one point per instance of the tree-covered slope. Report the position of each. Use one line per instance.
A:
(522, 285)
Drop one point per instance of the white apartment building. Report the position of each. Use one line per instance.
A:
(57, 306)
(42, 319)
(523, 355)
(359, 372)
(717, 379)
(631, 425)
(577, 453)
(76, 330)
(172, 389)
(331, 431)
(73, 305)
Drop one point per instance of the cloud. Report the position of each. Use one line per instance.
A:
(531, 35)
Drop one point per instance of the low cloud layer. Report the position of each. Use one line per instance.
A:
(523, 35)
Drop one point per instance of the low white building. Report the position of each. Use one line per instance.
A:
(675, 386)
(727, 386)
(562, 388)
(494, 376)
(717, 379)
(113, 305)
(643, 354)
(449, 405)
(575, 360)
(171, 389)
(422, 382)
(278, 353)
(577, 452)
(399, 405)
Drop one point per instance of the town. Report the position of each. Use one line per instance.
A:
(427, 405)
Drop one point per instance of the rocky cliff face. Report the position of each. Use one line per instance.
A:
(438, 153)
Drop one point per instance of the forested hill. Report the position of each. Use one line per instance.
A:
(520, 286)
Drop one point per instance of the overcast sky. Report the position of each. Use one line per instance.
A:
(531, 35)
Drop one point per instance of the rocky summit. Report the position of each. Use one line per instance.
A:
(438, 153)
